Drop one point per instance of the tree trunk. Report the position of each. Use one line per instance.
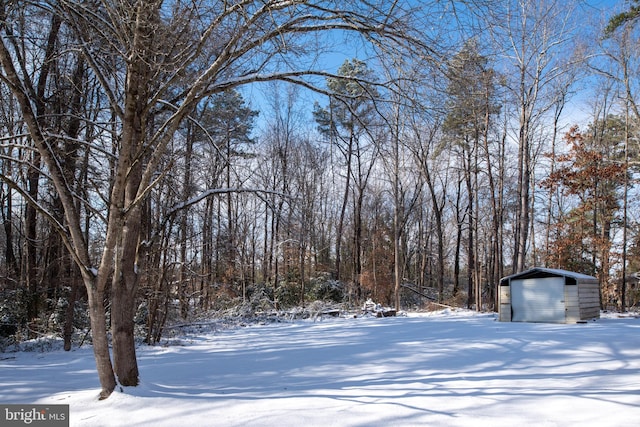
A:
(343, 209)
(357, 244)
(186, 194)
(470, 235)
(397, 213)
(125, 220)
(477, 278)
(125, 284)
(67, 331)
(496, 248)
(10, 257)
(33, 172)
(71, 148)
(99, 337)
(33, 178)
(123, 298)
(396, 258)
(458, 248)
(124, 350)
(437, 213)
(524, 178)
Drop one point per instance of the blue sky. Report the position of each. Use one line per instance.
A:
(341, 48)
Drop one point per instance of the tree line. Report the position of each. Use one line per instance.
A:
(142, 181)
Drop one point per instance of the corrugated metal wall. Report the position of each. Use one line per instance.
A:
(589, 298)
(505, 303)
(538, 300)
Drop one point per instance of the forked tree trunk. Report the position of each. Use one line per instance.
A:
(125, 220)
(76, 243)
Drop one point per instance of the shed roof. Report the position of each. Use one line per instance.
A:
(547, 272)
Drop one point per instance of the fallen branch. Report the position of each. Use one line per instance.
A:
(433, 300)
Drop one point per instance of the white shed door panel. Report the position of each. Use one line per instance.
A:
(538, 300)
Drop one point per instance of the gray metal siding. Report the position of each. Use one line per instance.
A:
(589, 300)
(572, 303)
(538, 300)
(505, 303)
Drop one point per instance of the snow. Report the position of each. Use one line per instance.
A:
(451, 368)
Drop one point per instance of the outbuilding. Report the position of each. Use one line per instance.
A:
(549, 295)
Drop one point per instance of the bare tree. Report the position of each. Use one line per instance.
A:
(10, 125)
(349, 122)
(533, 36)
(426, 152)
(155, 63)
(472, 105)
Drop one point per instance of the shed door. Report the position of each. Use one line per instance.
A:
(538, 300)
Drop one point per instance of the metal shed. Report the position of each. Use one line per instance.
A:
(549, 295)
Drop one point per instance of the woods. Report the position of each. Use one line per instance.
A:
(164, 160)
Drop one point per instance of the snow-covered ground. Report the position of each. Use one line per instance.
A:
(443, 369)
